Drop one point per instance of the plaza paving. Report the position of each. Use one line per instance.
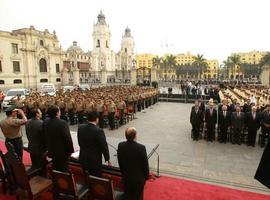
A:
(167, 124)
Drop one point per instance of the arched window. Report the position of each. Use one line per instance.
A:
(43, 80)
(17, 81)
(41, 42)
(58, 80)
(42, 65)
(2, 82)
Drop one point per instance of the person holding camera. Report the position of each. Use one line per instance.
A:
(12, 128)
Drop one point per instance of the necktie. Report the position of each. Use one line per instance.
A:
(238, 114)
(224, 113)
(253, 115)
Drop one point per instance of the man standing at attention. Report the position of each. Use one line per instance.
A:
(36, 140)
(58, 139)
(11, 128)
(133, 163)
(93, 145)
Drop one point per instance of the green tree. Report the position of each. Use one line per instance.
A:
(234, 60)
(200, 63)
(250, 70)
(227, 65)
(265, 59)
(157, 61)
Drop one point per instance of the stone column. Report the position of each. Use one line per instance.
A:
(65, 77)
(265, 75)
(103, 77)
(133, 77)
(153, 74)
(76, 76)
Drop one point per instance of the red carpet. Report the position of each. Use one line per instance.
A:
(168, 188)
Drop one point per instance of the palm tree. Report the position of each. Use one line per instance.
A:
(235, 60)
(200, 63)
(157, 62)
(227, 65)
(265, 59)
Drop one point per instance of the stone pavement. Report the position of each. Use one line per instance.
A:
(167, 124)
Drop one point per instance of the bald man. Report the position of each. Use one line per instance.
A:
(133, 163)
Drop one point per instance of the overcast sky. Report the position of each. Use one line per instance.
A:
(214, 28)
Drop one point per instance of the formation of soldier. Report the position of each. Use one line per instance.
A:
(112, 102)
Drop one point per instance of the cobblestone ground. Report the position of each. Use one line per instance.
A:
(167, 124)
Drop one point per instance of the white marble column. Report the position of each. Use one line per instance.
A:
(76, 77)
(133, 77)
(103, 77)
(65, 77)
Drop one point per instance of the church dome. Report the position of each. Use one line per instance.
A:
(101, 19)
(74, 48)
(127, 32)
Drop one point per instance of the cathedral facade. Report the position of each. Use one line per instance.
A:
(101, 64)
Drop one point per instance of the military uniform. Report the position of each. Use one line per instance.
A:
(11, 128)
(100, 110)
(111, 112)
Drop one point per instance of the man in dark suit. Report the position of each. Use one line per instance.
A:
(133, 163)
(262, 173)
(196, 120)
(36, 140)
(265, 124)
(237, 123)
(211, 120)
(93, 145)
(58, 139)
(224, 122)
(253, 124)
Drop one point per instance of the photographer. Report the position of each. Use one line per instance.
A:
(11, 128)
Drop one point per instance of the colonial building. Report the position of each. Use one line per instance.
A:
(101, 64)
(28, 58)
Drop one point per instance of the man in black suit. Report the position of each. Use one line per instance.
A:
(237, 123)
(262, 173)
(265, 124)
(58, 139)
(36, 139)
(93, 144)
(211, 121)
(196, 120)
(133, 163)
(253, 124)
(224, 122)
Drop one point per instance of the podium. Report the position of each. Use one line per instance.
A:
(151, 149)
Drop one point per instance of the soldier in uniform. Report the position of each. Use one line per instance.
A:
(11, 128)
(71, 110)
(121, 106)
(100, 109)
(111, 107)
(80, 111)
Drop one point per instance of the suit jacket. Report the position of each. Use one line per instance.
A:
(251, 123)
(35, 136)
(58, 138)
(133, 162)
(211, 120)
(263, 173)
(196, 119)
(224, 121)
(237, 122)
(93, 145)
